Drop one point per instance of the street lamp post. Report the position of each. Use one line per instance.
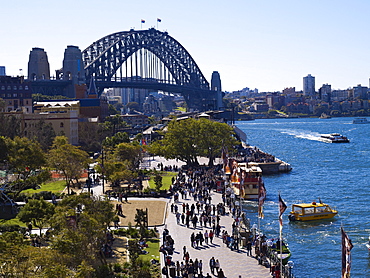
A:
(103, 171)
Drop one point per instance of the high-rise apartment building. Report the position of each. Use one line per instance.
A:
(309, 85)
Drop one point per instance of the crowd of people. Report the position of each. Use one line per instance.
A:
(194, 209)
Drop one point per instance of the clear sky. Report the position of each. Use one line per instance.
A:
(264, 44)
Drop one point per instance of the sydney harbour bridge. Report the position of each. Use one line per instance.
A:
(145, 59)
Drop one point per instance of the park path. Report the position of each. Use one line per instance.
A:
(235, 264)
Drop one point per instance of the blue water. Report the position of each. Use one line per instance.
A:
(336, 173)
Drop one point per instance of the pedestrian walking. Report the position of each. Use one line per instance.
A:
(210, 234)
(200, 266)
(212, 265)
(217, 265)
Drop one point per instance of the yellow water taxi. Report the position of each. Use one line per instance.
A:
(311, 211)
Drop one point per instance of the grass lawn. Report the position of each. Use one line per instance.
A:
(152, 249)
(55, 187)
(166, 180)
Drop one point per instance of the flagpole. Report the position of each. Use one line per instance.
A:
(280, 237)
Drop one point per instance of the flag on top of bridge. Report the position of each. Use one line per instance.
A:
(143, 21)
(346, 254)
(159, 20)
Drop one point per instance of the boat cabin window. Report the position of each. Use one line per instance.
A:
(309, 210)
(297, 210)
(321, 209)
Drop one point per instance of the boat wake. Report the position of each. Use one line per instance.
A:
(303, 134)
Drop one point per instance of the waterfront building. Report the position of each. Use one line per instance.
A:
(38, 65)
(17, 94)
(309, 85)
(275, 100)
(340, 95)
(360, 92)
(298, 108)
(259, 106)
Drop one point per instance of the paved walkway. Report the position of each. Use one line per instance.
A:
(233, 263)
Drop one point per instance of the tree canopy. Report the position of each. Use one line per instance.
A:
(68, 159)
(37, 212)
(25, 159)
(188, 139)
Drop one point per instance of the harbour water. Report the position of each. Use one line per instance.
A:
(336, 173)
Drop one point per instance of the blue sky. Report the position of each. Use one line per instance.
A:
(264, 44)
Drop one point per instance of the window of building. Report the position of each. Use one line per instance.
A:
(15, 88)
(26, 87)
(61, 124)
(2, 87)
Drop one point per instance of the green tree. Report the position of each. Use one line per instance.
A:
(37, 212)
(212, 137)
(10, 126)
(158, 181)
(90, 136)
(68, 159)
(112, 110)
(141, 220)
(3, 149)
(113, 124)
(113, 141)
(129, 152)
(25, 160)
(79, 228)
(187, 139)
(116, 171)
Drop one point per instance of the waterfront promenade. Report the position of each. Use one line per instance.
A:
(235, 264)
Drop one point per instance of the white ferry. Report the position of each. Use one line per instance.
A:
(334, 138)
(360, 121)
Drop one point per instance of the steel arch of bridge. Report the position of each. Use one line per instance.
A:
(103, 58)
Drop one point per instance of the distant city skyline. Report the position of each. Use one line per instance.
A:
(268, 45)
